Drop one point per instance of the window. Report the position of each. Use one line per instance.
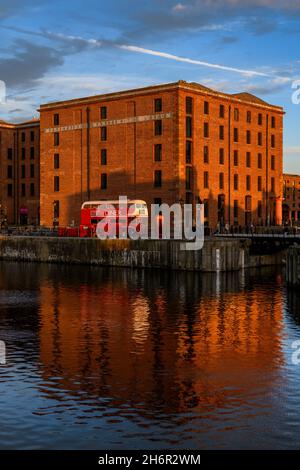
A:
(248, 183)
(273, 185)
(248, 159)
(32, 189)
(259, 161)
(235, 134)
(259, 138)
(9, 154)
(23, 136)
(103, 156)
(248, 137)
(157, 152)
(206, 154)
(236, 114)
(56, 183)
(248, 203)
(56, 139)
(158, 105)
(221, 156)
(103, 133)
(221, 111)
(272, 141)
(9, 190)
(206, 208)
(259, 183)
(188, 126)
(157, 179)
(9, 172)
(272, 162)
(248, 118)
(56, 119)
(236, 182)
(221, 132)
(188, 151)
(56, 209)
(23, 190)
(259, 209)
(206, 129)
(188, 176)
(103, 112)
(188, 105)
(206, 107)
(103, 181)
(236, 158)
(205, 179)
(260, 119)
(158, 127)
(235, 210)
(31, 153)
(31, 136)
(23, 153)
(273, 122)
(56, 161)
(157, 200)
(221, 180)
(31, 171)
(23, 171)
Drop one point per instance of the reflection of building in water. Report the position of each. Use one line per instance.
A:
(161, 348)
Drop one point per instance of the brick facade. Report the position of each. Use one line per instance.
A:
(19, 172)
(291, 199)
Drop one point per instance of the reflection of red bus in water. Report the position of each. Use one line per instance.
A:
(113, 216)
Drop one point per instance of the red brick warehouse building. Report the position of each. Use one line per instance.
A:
(19, 172)
(178, 142)
(291, 199)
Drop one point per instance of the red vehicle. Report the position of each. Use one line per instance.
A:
(115, 218)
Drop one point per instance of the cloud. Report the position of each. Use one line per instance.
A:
(13, 7)
(292, 150)
(269, 87)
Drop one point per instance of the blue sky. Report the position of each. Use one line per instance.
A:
(64, 49)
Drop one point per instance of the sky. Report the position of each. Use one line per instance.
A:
(51, 51)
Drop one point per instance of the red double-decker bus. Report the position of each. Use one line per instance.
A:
(113, 216)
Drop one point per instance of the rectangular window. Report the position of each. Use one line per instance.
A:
(9, 154)
(236, 114)
(206, 154)
(55, 209)
(248, 119)
(23, 153)
(32, 189)
(103, 133)
(206, 208)
(272, 185)
(188, 176)
(260, 119)
(56, 119)
(221, 156)
(272, 141)
(235, 134)
(221, 180)
(259, 138)
(259, 183)
(157, 152)
(31, 136)
(221, 132)
(56, 139)
(189, 105)
(205, 179)
(31, 153)
(9, 190)
(248, 183)
(236, 182)
(103, 112)
(248, 137)
(56, 161)
(158, 105)
(235, 209)
(221, 111)
(31, 171)
(23, 190)
(206, 130)
(23, 171)
(188, 127)
(103, 156)
(206, 107)
(158, 127)
(157, 179)
(259, 209)
(248, 160)
(23, 136)
(56, 183)
(9, 172)
(259, 161)
(273, 122)
(103, 181)
(272, 162)
(188, 151)
(236, 158)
